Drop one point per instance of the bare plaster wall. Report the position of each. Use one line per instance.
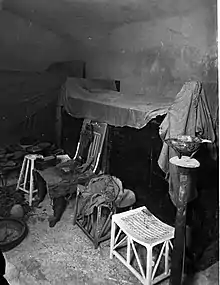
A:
(142, 43)
(161, 51)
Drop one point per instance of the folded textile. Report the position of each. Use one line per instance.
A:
(104, 189)
(188, 115)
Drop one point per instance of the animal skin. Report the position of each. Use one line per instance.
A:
(59, 206)
(41, 187)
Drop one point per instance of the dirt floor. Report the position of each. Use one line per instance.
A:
(64, 255)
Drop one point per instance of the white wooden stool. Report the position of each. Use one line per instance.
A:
(136, 229)
(25, 180)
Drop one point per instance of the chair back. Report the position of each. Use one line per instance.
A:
(95, 148)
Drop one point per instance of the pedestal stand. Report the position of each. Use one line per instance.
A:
(185, 166)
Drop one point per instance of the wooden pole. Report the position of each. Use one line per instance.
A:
(178, 254)
(177, 264)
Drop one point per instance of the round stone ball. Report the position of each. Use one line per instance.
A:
(17, 211)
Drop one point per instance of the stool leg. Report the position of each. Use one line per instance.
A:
(21, 173)
(167, 257)
(31, 186)
(148, 280)
(26, 174)
(112, 243)
(128, 250)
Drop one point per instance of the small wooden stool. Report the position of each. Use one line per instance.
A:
(26, 180)
(140, 227)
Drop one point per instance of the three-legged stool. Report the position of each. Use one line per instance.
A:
(26, 180)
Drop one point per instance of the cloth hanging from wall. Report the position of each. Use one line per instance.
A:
(188, 115)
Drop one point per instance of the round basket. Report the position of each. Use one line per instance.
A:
(12, 233)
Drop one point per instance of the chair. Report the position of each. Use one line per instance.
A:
(62, 179)
(142, 243)
(97, 223)
(95, 148)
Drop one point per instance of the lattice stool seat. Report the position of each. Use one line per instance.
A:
(26, 180)
(142, 243)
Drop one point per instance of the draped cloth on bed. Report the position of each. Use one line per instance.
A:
(188, 115)
(85, 98)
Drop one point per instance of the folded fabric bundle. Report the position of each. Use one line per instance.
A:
(104, 189)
